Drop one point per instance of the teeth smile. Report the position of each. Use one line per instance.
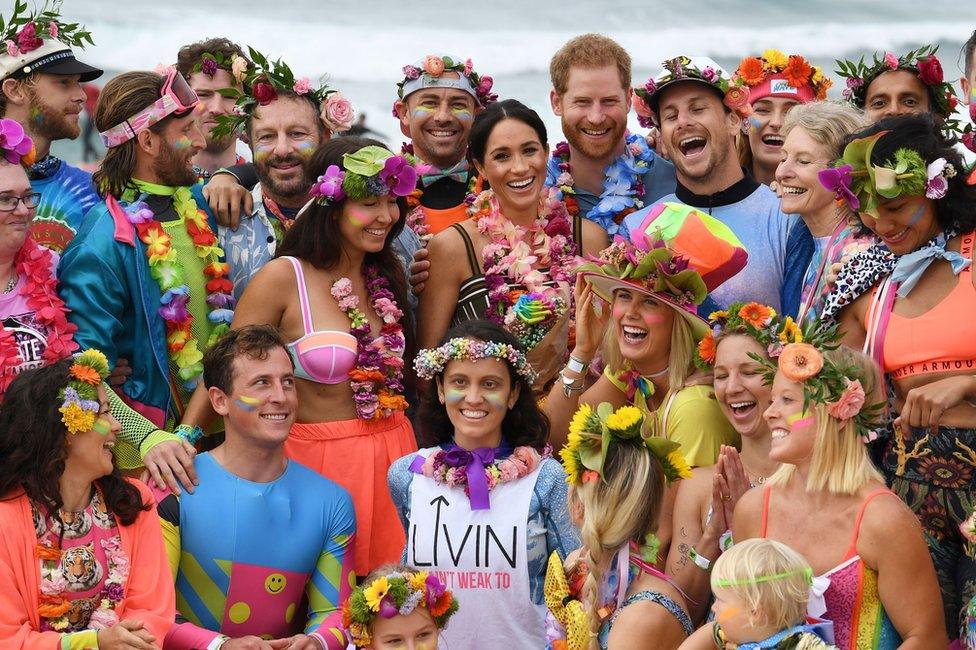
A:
(773, 140)
(274, 416)
(634, 334)
(694, 142)
(475, 415)
(442, 134)
(793, 190)
(739, 405)
(778, 434)
(518, 185)
(595, 133)
(379, 232)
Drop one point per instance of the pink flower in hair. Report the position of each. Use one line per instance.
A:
(12, 49)
(27, 38)
(14, 143)
(891, 60)
(302, 86)
(468, 67)
(52, 29)
(849, 403)
(336, 113)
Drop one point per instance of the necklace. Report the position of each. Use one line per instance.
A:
(522, 298)
(377, 379)
(623, 184)
(11, 283)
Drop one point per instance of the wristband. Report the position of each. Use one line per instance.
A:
(224, 170)
(703, 562)
(577, 366)
(217, 642)
(571, 386)
(188, 433)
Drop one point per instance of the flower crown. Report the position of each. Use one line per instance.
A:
(921, 62)
(79, 399)
(23, 32)
(861, 184)
(754, 70)
(15, 145)
(262, 79)
(433, 67)
(591, 433)
(210, 62)
(431, 362)
(736, 95)
(371, 171)
(657, 270)
(396, 594)
(756, 320)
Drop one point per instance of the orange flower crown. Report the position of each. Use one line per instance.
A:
(754, 70)
(79, 399)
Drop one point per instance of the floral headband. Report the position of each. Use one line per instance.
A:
(592, 431)
(210, 62)
(431, 362)
(371, 171)
(79, 399)
(262, 80)
(758, 321)
(15, 145)
(430, 73)
(23, 33)
(921, 62)
(396, 594)
(796, 70)
(735, 94)
(861, 184)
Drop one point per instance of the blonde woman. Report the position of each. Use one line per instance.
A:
(829, 502)
(609, 594)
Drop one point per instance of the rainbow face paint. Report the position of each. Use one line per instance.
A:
(102, 426)
(799, 421)
(497, 402)
(359, 218)
(306, 148)
(755, 123)
(261, 152)
(453, 395)
(182, 142)
(918, 215)
(422, 112)
(247, 403)
(462, 114)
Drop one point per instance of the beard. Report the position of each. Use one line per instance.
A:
(285, 189)
(590, 149)
(49, 123)
(171, 168)
(220, 145)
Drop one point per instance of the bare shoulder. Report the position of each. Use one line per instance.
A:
(886, 516)
(594, 237)
(698, 485)
(747, 515)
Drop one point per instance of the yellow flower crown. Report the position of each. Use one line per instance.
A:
(592, 431)
(79, 399)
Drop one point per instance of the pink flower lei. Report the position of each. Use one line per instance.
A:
(515, 255)
(520, 463)
(35, 263)
(377, 379)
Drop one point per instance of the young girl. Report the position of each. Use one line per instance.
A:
(397, 607)
(761, 589)
(609, 594)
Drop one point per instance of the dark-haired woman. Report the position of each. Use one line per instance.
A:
(82, 563)
(336, 291)
(910, 301)
(484, 505)
(511, 262)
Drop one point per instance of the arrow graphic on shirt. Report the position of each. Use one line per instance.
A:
(440, 501)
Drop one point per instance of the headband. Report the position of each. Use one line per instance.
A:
(79, 399)
(430, 73)
(807, 571)
(431, 362)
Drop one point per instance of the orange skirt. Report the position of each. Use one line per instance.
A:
(356, 454)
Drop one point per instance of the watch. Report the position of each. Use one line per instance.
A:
(577, 366)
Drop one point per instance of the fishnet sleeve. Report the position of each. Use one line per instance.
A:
(138, 434)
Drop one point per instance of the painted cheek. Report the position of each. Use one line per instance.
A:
(652, 318)
(422, 112)
(917, 216)
(727, 614)
(453, 395)
(497, 402)
(462, 114)
(306, 148)
(800, 421)
(755, 123)
(102, 426)
(261, 152)
(36, 115)
(619, 311)
(358, 218)
(247, 403)
(182, 142)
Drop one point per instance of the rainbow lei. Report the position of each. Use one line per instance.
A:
(35, 263)
(184, 349)
(377, 379)
(79, 399)
(510, 254)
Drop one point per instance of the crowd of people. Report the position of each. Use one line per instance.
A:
(706, 385)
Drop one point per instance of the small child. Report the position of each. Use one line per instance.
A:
(397, 607)
(761, 589)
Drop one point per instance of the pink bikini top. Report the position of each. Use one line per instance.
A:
(326, 356)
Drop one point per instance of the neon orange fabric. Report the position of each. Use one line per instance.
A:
(357, 454)
(438, 220)
(149, 594)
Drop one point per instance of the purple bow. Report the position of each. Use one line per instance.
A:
(838, 180)
(475, 462)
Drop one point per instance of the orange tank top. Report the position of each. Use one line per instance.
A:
(943, 339)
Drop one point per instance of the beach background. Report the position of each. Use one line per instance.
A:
(361, 46)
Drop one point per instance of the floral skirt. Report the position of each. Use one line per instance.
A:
(933, 472)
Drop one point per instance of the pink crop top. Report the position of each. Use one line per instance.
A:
(326, 356)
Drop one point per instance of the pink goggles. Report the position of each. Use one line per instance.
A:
(175, 97)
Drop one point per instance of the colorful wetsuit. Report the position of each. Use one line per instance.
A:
(67, 194)
(245, 554)
(853, 602)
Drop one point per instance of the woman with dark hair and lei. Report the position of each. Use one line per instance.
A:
(520, 244)
(908, 301)
(81, 551)
(336, 291)
(484, 505)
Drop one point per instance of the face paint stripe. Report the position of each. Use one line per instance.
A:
(102, 426)
(797, 421)
(247, 403)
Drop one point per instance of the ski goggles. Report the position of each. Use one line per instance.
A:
(175, 97)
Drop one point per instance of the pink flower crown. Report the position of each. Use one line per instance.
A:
(371, 171)
(429, 72)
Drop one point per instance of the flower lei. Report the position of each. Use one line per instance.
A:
(522, 462)
(377, 379)
(34, 263)
(396, 594)
(510, 254)
(623, 186)
(54, 607)
(417, 216)
(25, 33)
(184, 349)
(431, 362)
(592, 431)
(754, 70)
(921, 62)
(79, 399)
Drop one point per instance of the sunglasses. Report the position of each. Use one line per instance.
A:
(176, 97)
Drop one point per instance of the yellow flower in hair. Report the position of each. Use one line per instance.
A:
(791, 332)
(775, 60)
(716, 315)
(418, 581)
(817, 75)
(624, 418)
(578, 422)
(570, 457)
(680, 465)
(77, 419)
(376, 592)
